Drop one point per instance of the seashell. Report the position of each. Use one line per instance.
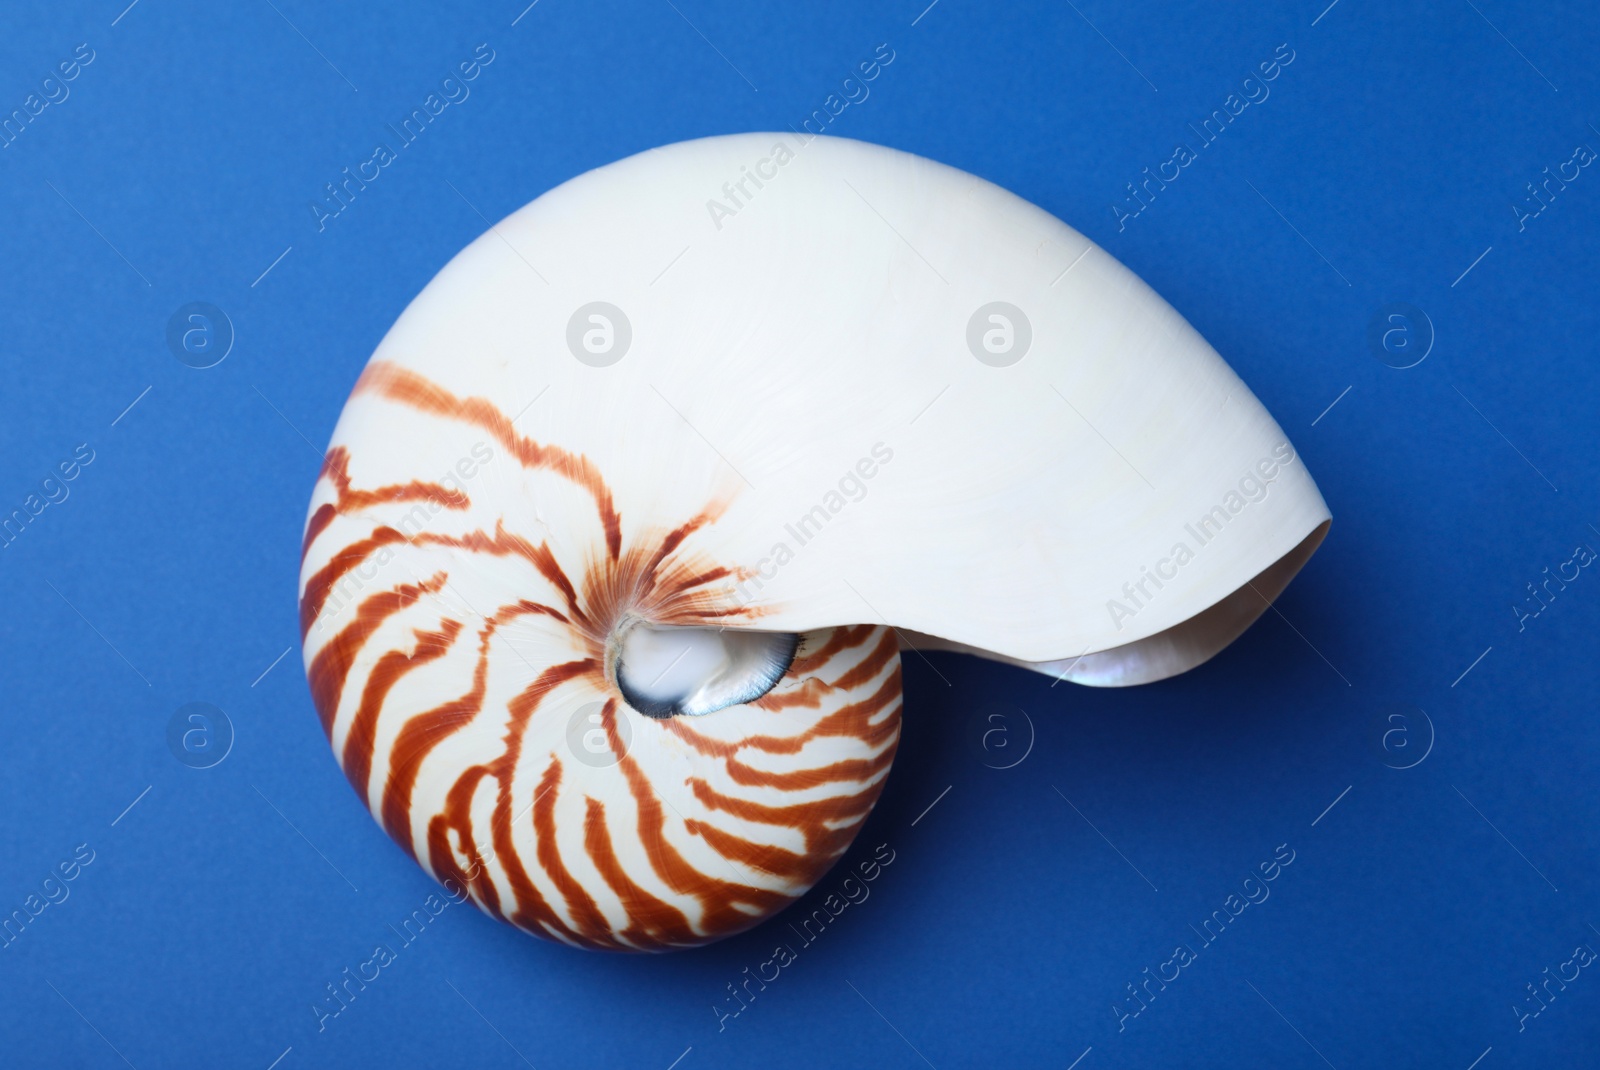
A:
(621, 532)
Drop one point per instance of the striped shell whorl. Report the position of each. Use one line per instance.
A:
(458, 637)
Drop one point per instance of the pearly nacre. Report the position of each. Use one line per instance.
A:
(621, 532)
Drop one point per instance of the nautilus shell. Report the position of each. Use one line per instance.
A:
(623, 528)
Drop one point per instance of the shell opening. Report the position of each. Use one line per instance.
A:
(671, 671)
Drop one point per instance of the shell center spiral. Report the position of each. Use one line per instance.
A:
(665, 671)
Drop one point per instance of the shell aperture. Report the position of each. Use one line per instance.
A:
(622, 660)
(667, 672)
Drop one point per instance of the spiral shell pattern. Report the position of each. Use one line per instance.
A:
(459, 645)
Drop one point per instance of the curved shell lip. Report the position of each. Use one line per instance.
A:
(1172, 651)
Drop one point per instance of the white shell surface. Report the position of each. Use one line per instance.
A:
(787, 339)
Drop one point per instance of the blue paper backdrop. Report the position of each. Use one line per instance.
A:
(1387, 162)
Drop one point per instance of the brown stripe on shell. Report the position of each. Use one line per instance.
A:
(332, 664)
(322, 582)
(418, 737)
(360, 741)
(764, 857)
(406, 386)
(825, 823)
(531, 907)
(653, 922)
(858, 770)
(841, 639)
(853, 720)
(336, 469)
(590, 922)
(869, 667)
(455, 818)
(718, 898)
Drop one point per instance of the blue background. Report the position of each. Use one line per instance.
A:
(1386, 159)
